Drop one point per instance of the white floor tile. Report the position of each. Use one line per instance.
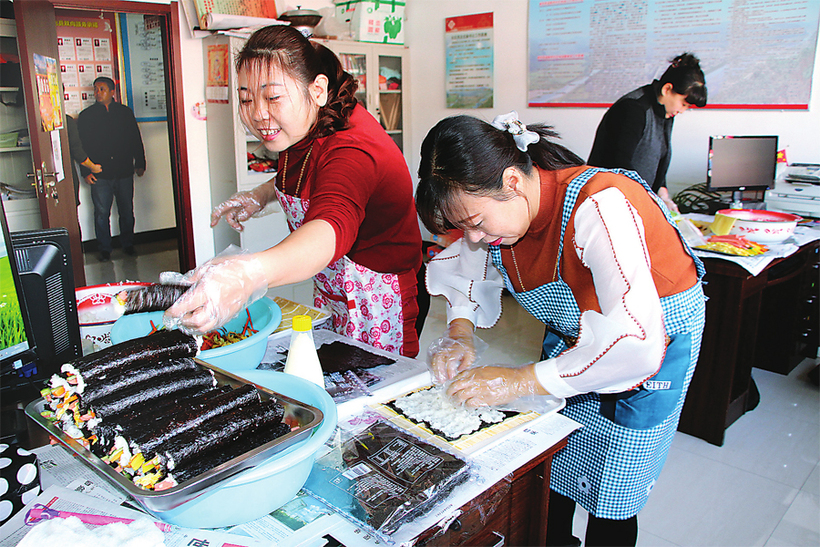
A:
(700, 502)
(812, 485)
(792, 396)
(801, 525)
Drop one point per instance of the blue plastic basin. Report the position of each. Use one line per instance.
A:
(243, 355)
(260, 490)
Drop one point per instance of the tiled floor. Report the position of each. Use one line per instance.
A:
(761, 488)
(151, 259)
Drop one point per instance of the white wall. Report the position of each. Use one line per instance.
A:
(799, 131)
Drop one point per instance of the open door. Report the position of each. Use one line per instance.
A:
(37, 36)
(37, 33)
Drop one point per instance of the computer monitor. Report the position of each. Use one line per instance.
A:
(46, 274)
(738, 163)
(18, 361)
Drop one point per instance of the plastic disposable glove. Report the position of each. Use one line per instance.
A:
(663, 193)
(221, 288)
(495, 385)
(456, 351)
(243, 205)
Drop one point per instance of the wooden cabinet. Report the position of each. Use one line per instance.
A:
(22, 207)
(511, 512)
(382, 71)
(769, 321)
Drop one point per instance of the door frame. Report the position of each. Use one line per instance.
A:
(172, 57)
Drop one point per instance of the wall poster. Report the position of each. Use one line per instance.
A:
(48, 92)
(754, 53)
(469, 50)
(144, 67)
(87, 49)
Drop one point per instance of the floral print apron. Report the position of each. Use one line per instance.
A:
(364, 305)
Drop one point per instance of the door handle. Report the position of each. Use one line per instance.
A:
(38, 180)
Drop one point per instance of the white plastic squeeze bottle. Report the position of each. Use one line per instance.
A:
(303, 360)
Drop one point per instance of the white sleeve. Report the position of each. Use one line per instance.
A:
(623, 345)
(464, 274)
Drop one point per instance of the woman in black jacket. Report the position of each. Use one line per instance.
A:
(636, 132)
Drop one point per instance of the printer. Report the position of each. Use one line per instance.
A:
(796, 190)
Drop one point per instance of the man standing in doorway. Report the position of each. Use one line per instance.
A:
(111, 137)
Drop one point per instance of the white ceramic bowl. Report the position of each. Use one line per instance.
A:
(764, 227)
(97, 313)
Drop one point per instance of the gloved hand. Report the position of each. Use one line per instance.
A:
(243, 205)
(453, 352)
(495, 385)
(221, 288)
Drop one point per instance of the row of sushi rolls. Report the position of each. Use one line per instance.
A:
(148, 409)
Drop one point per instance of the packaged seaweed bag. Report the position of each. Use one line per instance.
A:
(384, 477)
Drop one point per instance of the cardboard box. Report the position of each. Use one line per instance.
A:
(378, 21)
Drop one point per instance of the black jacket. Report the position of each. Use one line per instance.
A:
(112, 138)
(635, 134)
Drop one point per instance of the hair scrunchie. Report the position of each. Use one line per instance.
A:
(521, 135)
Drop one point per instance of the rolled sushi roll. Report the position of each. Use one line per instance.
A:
(219, 431)
(151, 389)
(135, 375)
(162, 345)
(147, 440)
(213, 458)
(142, 416)
(153, 297)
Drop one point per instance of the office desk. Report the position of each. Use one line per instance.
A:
(519, 516)
(769, 321)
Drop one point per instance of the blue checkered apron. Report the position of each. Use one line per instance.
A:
(610, 465)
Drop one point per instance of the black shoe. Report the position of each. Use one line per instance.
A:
(105, 256)
(130, 251)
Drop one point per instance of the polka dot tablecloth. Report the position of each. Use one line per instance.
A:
(19, 483)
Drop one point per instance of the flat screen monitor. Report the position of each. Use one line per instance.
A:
(17, 357)
(738, 163)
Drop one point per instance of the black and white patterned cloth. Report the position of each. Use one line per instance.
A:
(19, 479)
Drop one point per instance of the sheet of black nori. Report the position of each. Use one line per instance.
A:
(134, 375)
(211, 458)
(153, 297)
(188, 417)
(387, 477)
(162, 345)
(220, 431)
(339, 357)
(150, 389)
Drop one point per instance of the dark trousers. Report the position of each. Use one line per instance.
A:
(600, 532)
(103, 193)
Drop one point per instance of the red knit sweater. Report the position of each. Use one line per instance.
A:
(358, 181)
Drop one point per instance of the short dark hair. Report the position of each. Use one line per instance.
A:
(686, 77)
(107, 81)
(287, 48)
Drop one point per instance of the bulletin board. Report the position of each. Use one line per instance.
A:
(144, 66)
(754, 54)
(87, 48)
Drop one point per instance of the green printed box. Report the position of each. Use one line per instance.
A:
(378, 21)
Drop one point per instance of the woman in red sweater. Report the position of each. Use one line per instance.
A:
(346, 191)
